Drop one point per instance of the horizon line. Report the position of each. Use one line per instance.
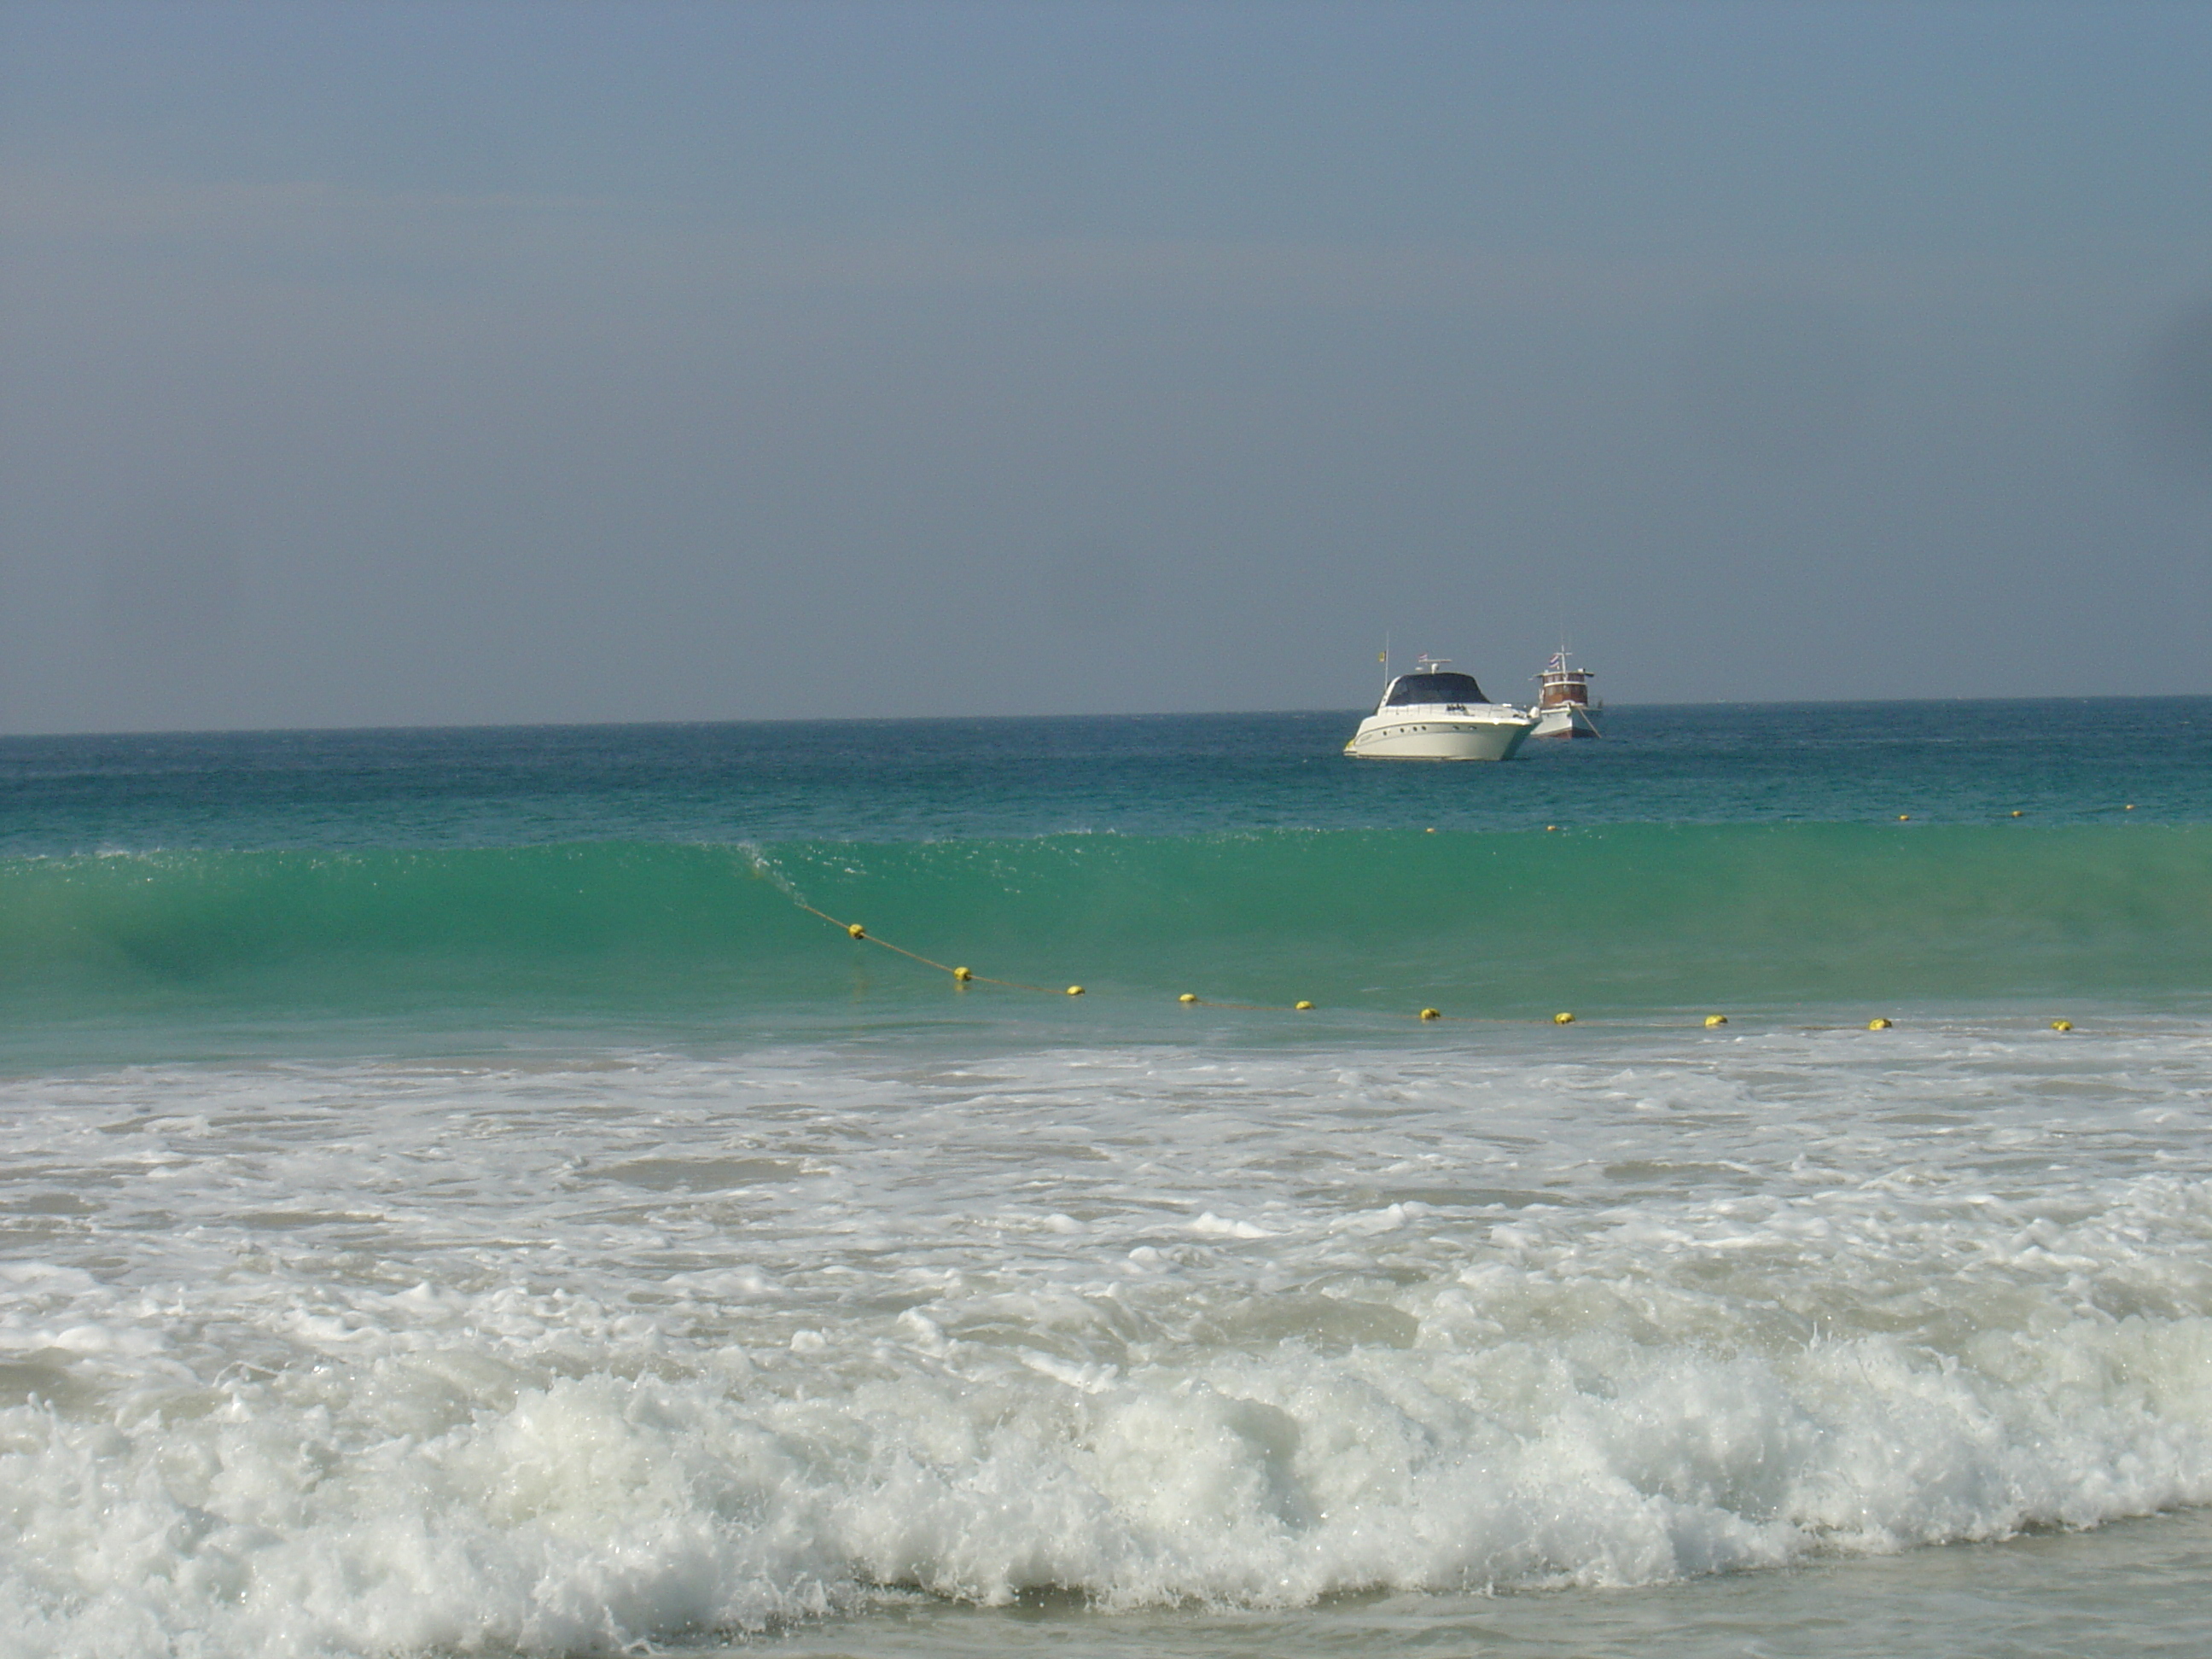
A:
(1353, 712)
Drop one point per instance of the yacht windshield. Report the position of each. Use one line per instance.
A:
(1433, 688)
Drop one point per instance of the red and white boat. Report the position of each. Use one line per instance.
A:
(1564, 705)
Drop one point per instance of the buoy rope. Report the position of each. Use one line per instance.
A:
(1427, 1016)
(859, 934)
(962, 975)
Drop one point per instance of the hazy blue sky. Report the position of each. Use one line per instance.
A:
(408, 363)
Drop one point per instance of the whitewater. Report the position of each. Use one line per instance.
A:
(452, 1201)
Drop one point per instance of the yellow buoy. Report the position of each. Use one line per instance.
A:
(1187, 996)
(1905, 818)
(1878, 1023)
(2130, 807)
(1430, 831)
(1549, 828)
(2062, 1024)
(856, 930)
(1075, 990)
(1563, 1019)
(961, 975)
(1713, 1020)
(1303, 1007)
(1431, 1013)
(2016, 811)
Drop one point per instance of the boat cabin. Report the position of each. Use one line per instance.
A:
(1566, 686)
(1432, 688)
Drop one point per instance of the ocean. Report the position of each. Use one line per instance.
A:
(467, 1191)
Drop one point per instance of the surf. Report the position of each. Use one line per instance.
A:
(566, 1355)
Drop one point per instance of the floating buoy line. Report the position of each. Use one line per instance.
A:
(964, 976)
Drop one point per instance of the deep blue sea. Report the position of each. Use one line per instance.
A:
(471, 1192)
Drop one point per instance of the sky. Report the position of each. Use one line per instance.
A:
(398, 364)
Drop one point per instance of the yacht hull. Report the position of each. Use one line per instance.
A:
(1411, 734)
(1565, 719)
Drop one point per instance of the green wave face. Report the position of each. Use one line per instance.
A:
(1619, 918)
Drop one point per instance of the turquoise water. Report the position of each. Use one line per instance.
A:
(1770, 861)
(457, 1196)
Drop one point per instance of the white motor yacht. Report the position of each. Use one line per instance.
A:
(1432, 715)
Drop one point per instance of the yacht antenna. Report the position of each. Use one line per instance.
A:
(1385, 660)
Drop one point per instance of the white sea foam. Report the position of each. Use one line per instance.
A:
(365, 1358)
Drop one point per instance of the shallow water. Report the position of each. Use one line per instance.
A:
(2134, 1587)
